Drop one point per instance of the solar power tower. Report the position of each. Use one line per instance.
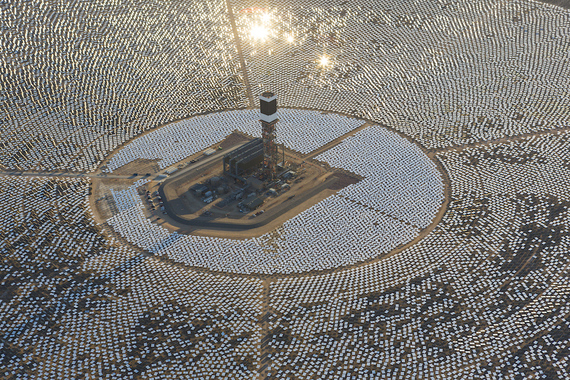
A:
(268, 104)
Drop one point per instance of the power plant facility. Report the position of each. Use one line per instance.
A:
(253, 172)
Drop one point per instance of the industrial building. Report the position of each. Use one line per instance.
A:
(252, 203)
(243, 160)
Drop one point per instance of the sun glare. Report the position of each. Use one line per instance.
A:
(259, 32)
(324, 61)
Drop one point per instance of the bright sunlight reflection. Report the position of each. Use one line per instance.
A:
(324, 61)
(259, 32)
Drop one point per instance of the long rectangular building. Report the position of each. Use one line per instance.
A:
(242, 160)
